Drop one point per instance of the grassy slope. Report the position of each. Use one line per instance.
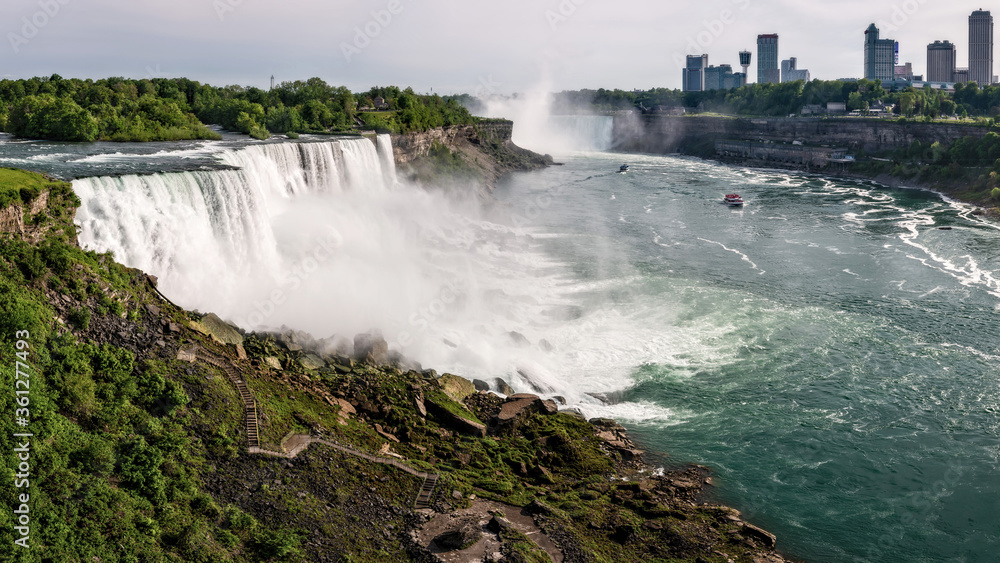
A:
(140, 457)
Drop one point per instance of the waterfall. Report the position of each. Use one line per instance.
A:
(322, 237)
(584, 132)
(384, 146)
(206, 233)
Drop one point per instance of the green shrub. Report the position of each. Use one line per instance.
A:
(226, 538)
(28, 260)
(19, 312)
(279, 543)
(139, 469)
(174, 396)
(57, 256)
(97, 457)
(80, 317)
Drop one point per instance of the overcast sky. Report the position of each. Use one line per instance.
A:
(456, 45)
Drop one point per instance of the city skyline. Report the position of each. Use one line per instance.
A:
(451, 47)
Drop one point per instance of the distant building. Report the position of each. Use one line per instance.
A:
(810, 109)
(903, 72)
(714, 76)
(880, 55)
(767, 59)
(745, 61)
(722, 77)
(961, 75)
(836, 107)
(941, 62)
(981, 47)
(790, 73)
(379, 103)
(694, 73)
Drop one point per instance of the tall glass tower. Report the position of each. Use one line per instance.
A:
(981, 47)
(768, 71)
(880, 56)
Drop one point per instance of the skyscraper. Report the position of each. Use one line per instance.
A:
(694, 73)
(981, 47)
(880, 56)
(767, 59)
(941, 62)
(716, 77)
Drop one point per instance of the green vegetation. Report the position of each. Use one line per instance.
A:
(160, 109)
(968, 168)
(18, 185)
(113, 109)
(790, 97)
(116, 456)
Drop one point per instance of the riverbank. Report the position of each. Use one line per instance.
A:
(912, 153)
(957, 189)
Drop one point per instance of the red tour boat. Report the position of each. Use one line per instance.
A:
(733, 199)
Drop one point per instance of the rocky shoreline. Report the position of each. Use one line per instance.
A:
(466, 527)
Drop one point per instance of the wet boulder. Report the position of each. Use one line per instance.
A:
(371, 347)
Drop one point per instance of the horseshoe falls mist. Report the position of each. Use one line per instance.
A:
(827, 350)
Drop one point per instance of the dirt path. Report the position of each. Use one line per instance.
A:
(489, 545)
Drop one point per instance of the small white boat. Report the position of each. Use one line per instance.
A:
(733, 199)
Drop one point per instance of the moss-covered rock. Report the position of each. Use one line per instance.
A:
(458, 388)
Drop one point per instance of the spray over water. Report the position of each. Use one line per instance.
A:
(323, 237)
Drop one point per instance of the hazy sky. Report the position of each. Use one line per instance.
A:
(456, 46)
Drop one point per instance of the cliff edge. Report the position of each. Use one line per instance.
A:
(483, 153)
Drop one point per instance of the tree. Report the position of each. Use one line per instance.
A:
(855, 101)
(907, 101)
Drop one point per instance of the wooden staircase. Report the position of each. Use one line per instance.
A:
(249, 404)
(426, 493)
(424, 496)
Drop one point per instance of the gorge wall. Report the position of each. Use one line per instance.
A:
(485, 147)
(667, 134)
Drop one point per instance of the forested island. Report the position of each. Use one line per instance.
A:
(162, 109)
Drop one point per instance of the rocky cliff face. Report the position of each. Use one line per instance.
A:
(666, 134)
(12, 218)
(486, 149)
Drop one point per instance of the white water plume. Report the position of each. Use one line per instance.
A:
(542, 127)
(322, 237)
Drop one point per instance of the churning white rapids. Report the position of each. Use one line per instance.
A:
(322, 237)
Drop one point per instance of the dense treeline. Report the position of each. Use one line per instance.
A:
(159, 109)
(791, 97)
(112, 109)
(411, 112)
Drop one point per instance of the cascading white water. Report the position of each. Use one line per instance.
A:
(320, 237)
(208, 233)
(583, 132)
(388, 159)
